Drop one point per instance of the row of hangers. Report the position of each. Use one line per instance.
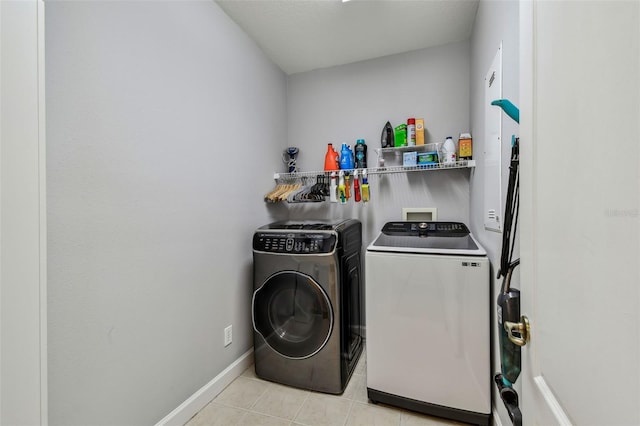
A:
(310, 190)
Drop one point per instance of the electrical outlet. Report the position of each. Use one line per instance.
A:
(228, 335)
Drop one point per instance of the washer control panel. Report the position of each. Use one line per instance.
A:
(434, 229)
(293, 242)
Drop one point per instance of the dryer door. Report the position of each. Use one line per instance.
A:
(293, 314)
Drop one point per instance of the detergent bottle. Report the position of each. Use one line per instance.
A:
(330, 162)
(346, 157)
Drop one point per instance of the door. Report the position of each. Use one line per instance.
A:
(580, 238)
(23, 337)
(293, 314)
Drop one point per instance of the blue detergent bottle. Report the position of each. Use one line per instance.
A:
(346, 157)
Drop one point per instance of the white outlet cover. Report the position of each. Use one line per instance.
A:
(228, 335)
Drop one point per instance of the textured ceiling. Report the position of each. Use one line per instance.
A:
(303, 35)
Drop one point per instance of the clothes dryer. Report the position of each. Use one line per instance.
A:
(428, 320)
(306, 307)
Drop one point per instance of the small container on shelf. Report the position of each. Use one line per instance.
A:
(419, 131)
(400, 135)
(448, 155)
(465, 146)
(411, 132)
(430, 157)
(410, 159)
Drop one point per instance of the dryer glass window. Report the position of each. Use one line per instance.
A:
(293, 314)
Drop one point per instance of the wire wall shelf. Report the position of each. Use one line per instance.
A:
(462, 164)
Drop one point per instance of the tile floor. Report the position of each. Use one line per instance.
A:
(249, 400)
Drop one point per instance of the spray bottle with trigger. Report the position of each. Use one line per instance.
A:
(347, 185)
(356, 186)
(333, 188)
(342, 194)
(365, 186)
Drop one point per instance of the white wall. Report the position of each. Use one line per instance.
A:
(161, 116)
(349, 102)
(496, 21)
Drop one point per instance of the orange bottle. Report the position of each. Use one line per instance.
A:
(331, 159)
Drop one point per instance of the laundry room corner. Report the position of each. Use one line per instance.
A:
(353, 101)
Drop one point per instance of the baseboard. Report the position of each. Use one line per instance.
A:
(496, 417)
(205, 394)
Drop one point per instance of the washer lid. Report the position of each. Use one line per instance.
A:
(427, 237)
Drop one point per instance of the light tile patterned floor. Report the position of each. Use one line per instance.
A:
(249, 401)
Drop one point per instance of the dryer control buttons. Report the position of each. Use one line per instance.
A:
(302, 243)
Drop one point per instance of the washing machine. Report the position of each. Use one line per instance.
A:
(306, 308)
(428, 320)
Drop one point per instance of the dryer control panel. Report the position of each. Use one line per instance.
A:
(294, 242)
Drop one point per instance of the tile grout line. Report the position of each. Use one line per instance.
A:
(346, 419)
(245, 411)
(258, 398)
(352, 400)
(300, 407)
(272, 384)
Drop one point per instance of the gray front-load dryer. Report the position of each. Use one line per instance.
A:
(306, 306)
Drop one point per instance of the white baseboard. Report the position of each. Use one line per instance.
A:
(496, 418)
(205, 394)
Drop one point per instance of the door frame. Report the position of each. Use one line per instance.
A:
(23, 231)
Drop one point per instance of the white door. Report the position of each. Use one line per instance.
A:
(580, 191)
(23, 372)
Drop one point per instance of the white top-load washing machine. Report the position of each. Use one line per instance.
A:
(428, 310)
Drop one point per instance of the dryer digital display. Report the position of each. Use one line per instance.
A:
(294, 243)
